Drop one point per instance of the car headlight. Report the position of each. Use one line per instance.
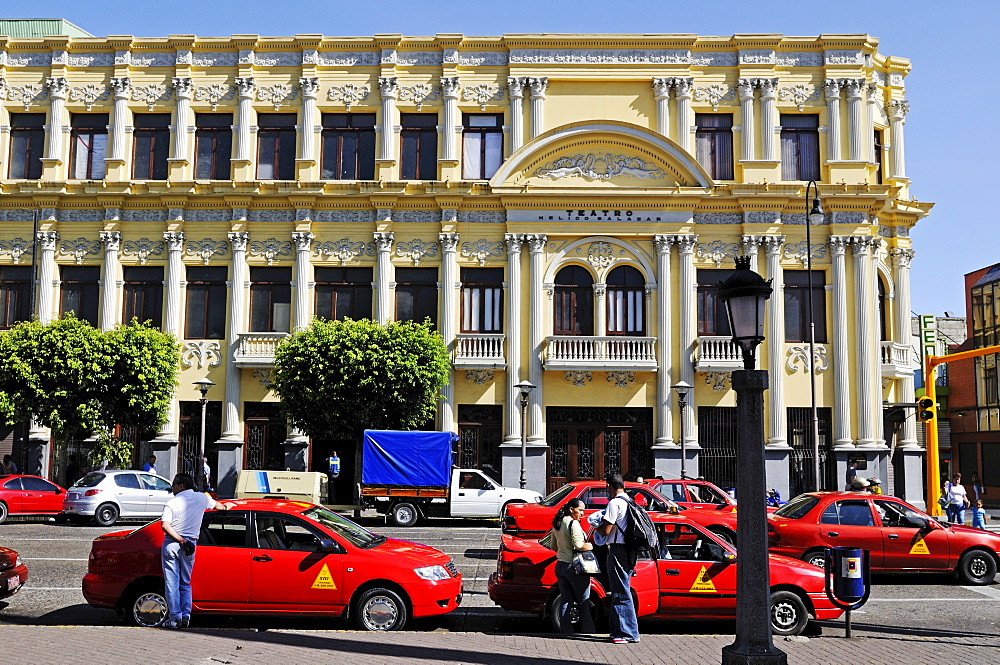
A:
(19, 562)
(433, 573)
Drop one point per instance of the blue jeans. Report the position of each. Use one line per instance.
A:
(177, 568)
(623, 620)
(956, 513)
(574, 590)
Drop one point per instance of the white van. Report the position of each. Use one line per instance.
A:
(309, 486)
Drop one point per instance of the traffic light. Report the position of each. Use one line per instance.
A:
(926, 409)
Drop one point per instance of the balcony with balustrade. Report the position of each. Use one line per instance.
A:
(479, 351)
(257, 349)
(896, 360)
(717, 354)
(614, 353)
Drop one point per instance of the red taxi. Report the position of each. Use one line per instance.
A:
(533, 520)
(278, 557)
(692, 493)
(29, 495)
(13, 572)
(695, 578)
(899, 537)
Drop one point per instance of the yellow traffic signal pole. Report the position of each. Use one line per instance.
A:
(930, 386)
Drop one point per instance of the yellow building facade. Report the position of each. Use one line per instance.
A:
(562, 206)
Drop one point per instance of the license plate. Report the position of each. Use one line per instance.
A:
(74, 496)
(13, 582)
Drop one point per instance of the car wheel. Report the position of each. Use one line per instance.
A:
(106, 514)
(146, 608)
(977, 567)
(3, 512)
(725, 535)
(405, 514)
(788, 613)
(815, 557)
(379, 609)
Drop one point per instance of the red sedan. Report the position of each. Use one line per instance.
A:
(692, 493)
(899, 537)
(533, 520)
(278, 557)
(29, 495)
(695, 578)
(13, 572)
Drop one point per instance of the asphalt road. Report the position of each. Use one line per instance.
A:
(56, 555)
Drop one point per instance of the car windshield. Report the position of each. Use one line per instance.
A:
(356, 535)
(92, 479)
(557, 496)
(797, 507)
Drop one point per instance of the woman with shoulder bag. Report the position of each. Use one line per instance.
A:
(574, 588)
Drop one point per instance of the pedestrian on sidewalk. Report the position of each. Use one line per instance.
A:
(979, 516)
(958, 499)
(574, 588)
(620, 563)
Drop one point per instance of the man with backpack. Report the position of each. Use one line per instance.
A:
(620, 562)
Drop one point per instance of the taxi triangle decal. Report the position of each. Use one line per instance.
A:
(702, 584)
(324, 580)
(919, 547)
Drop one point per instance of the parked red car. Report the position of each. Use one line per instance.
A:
(13, 572)
(697, 581)
(692, 493)
(278, 557)
(533, 520)
(29, 495)
(899, 537)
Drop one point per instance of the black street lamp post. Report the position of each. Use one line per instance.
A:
(813, 216)
(682, 388)
(744, 294)
(199, 465)
(525, 387)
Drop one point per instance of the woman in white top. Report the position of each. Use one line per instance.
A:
(574, 589)
(958, 499)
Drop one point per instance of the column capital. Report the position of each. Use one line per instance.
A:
(388, 86)
(861, 244)
(832, 88)
(238, 241)
(745, 87)
(683, 85)
(514, 242)
(450, 87)
(772, 244)
(111, 239)
(174, 240)
(855, 88)
(536, 242)
(449, 242)
(600, 290)
(303, 240)
(662, 86)
(183, 86)
(662, 243)
(538, 85)
(515, 86)
(58, 87)
(685, 243)
(310, 86)
(246, 86)
(902, 256)
(767, 86)
(121, 85)
(751, 244)
(838, 244)
(383, 241)
(898, 109)
(47, 240)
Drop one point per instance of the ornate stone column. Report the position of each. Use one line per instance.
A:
(112, 275)
(383, 277)
(664, 379)
(515, 90)
(901, 258)
(175, 275)
(307, 142)
(121, 117)
(864, 340)
(855, 119)
(536, 337)
(183, 86)
(777, 416)
(897, 114)
(303, 279)
(682, 87)
(870, 91)
(688, 325)
(46, 241)
(751, 248)
(745, 88)
(448, 323)
(768, 119)
(538, 87)
(600, 309)
(231, 431)
(245, 118)
(841, 360)
(58, 89)
(512, 306)
(661, 93)
(832, 90)
(389, 90)
(449, 90)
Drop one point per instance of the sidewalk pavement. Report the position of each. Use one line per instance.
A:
(115, 645)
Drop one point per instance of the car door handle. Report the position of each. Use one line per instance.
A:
(264, 558)
(461, 493)
(893, 536)
(833, 534)
(673, 571)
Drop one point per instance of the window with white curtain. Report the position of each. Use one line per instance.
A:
(714, 144)
(626, 302)
(482, 300)
(799, 147)
(482, 145)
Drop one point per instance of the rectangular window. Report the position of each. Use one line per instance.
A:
(797, 308)
(270, 299)
(151, 143)
(348, 146)
(877, 147)
(482, 300)
(27, 142)
(88, 145)
(416, 294)
(143, 294)
(15, 295)
(206, 303)
(482, 145)
(81, 291)
(714, 144)
(276, 146)
(712, 318)
(344, 293)
(213, 140)
(799, 147)
(419, 146)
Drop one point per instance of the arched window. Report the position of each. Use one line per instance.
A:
(883, 327)
(626, 302)
(574, 302)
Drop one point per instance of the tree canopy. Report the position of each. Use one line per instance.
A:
(76, 379)
(337, 378)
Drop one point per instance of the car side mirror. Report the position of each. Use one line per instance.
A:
(326, 545)
(728, 557)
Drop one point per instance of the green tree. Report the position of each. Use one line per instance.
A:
(338, 378)
(77, 380)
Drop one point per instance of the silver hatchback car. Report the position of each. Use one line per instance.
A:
(107, 496)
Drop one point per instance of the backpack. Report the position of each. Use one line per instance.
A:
(640, 534)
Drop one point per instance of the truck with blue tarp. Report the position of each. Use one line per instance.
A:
(412, 475)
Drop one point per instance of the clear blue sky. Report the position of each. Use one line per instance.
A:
(954, 97)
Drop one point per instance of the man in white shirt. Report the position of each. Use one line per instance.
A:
(181, 524)
(620, 563)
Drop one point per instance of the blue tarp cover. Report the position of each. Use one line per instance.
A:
(417, 458)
